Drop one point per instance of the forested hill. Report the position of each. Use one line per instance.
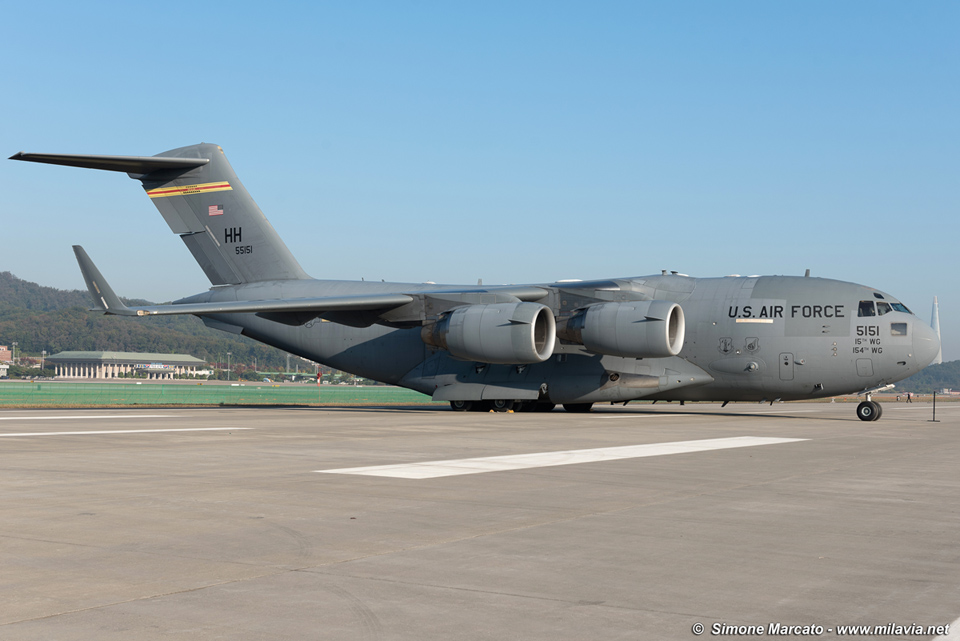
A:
(39, 318)
(27, 295)
(936, 377)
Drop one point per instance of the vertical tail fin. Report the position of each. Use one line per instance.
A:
(220, 223)
(935, 324)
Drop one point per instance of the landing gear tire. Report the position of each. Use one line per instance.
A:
(525, 406)
(500, 405)
(461, 406)
(544, 407)
(869, 411)
(578, 408)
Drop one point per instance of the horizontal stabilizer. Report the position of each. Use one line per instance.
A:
(103, 297)
(128, 164)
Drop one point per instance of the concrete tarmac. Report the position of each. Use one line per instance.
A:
(115, 527)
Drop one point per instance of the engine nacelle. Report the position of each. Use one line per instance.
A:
(504, 333)
(644, 329)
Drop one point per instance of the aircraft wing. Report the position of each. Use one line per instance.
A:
(359, 310)
(318, 305)
(107, 301)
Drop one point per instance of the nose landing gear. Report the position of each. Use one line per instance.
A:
(869, 411)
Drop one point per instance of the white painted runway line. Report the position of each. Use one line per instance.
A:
(61, 418)
(917, 407)
(762, 412)
(601, 416)
(85, 432)
(435, 469)
(733, 412)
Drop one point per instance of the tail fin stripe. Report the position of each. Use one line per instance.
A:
(188, 190)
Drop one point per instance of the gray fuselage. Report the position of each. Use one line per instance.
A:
(748, 339)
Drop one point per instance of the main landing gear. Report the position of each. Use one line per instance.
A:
(500, 405)
(869, 411)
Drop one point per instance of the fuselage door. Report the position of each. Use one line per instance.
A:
(864, 367)
(786, 366)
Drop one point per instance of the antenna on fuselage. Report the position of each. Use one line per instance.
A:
(935, 324)
(806, 274)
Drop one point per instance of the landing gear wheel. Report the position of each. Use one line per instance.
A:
(879, 410)
(500, 405)
(461, 406)
(868, 411)
(544, 407)
(525, 406)
(578, 408)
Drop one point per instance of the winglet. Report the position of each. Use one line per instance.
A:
(104, 299)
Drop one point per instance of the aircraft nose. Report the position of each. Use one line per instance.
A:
(926, 344)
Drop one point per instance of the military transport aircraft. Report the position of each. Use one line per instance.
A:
(528, 347)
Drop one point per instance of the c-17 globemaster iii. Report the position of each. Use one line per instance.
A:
(528, 347)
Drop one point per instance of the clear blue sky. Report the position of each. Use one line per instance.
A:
(514, 142)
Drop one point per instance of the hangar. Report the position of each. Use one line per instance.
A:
(103, 365)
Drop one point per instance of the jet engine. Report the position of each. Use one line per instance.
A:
(505, 333)
(645, 329)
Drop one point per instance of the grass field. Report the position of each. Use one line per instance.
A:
(51, 394)
(54, 394)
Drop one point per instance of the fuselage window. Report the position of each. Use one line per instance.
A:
(883, 308)
(898, 329)
(900, 307)
(866, 308)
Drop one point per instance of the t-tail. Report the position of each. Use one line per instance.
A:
(203, 201)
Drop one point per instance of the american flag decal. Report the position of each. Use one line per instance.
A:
(215, 210)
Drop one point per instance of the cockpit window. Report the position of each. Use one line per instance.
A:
(866, 308)
(900, 307)
(883, 308)
(898, 329)
(876, 295)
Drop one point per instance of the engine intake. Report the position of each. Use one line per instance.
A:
(502, 333)
(645, 329)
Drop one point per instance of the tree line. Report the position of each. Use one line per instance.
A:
(44, 318)
(933, 379)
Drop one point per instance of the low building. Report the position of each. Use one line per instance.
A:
(104, 365)
(6, 355)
